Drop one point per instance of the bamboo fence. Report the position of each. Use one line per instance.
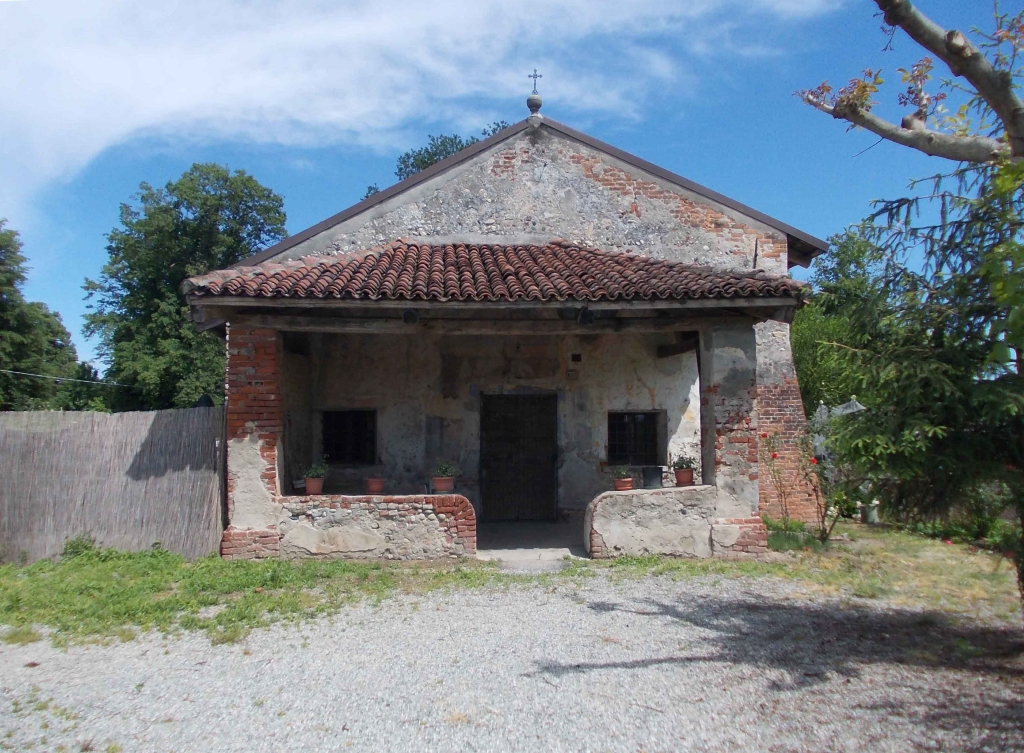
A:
(129, 480)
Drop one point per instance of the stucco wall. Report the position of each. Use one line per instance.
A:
(541, 184)
(427, 394)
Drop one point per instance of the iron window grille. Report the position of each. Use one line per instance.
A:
(633, 438)
(350, 436)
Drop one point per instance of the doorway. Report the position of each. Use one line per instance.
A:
(519, 457)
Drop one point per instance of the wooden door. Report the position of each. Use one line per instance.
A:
(519, 457)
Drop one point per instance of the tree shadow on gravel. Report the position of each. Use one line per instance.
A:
(819, 644)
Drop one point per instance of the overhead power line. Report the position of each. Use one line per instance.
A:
(62, 379)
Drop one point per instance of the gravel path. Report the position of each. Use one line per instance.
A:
(636, 665)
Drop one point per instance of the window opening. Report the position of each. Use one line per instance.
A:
(633, 438)
(350, 436)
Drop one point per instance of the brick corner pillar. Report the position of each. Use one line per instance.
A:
(780, 410)
(460, 523)
(729, 437)
(254, 425)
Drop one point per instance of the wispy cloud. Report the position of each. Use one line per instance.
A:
(79, 77)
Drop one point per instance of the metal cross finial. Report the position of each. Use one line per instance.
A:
(535, 76)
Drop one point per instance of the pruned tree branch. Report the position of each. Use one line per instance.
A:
(965, 60)
(932, 143)
(995, 86)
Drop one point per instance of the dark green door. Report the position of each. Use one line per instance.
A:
(519, 457)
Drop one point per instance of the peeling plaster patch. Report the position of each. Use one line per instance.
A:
(725, 536)
(254, 505)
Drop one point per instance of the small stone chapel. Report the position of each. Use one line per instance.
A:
(537, 309)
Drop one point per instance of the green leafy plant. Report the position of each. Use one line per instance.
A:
(620, 471)
(446, 469)
(319, 468)
(78, 545)
(786, 525)
(684, 462)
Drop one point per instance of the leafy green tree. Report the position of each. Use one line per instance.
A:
(208, 219)
(824, 375)
(84, 389)
(33, 340)
(937, 345)
(439, 148)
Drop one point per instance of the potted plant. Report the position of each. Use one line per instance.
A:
(444, 476)
(315, 476)
(622, 479)
(684, 466)
(374, 485)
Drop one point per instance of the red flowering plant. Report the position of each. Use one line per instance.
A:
(819, 478)
(768, 455)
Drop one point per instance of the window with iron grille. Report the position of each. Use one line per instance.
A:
(350, 436)
(633, 438)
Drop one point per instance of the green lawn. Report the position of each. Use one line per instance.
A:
(105, 595)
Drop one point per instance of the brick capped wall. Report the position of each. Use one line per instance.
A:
(398, 520)
(404, 524)
(781, 412)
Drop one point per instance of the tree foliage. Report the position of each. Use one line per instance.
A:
(439, 148)
(937, 334)
(208, 219)
(33, 339)
(824, 374)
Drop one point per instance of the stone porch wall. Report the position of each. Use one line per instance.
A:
(679, 522)
(362, 527)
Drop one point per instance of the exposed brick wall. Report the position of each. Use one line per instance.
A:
(770, 246)
(781, 412)
(250, 545)
(753, 537)
(253, 404)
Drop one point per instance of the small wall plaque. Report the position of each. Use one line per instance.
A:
(572, 374)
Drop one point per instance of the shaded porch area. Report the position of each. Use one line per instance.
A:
(535, 544)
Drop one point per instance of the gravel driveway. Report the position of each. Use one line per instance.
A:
(634, 665)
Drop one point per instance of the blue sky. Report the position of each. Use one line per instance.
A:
(318, 99)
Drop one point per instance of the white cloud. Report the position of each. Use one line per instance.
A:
(79, 77)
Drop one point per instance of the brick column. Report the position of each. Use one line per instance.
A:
(254, 424)
(729, 437)
(781, 412)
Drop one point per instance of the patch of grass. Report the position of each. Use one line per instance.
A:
(103, 594)
(881, 563)
(95, 593)
(21, 635)
(793, 541)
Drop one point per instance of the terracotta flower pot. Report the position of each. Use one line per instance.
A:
(684, 476)
(443, 484)
(374, 485)
(623, 484)
(314, 486)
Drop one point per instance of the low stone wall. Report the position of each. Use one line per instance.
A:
(419, 527)
(677, 521)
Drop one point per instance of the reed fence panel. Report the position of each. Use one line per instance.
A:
(129, 480)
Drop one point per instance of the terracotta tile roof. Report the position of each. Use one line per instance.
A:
(558, 271)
